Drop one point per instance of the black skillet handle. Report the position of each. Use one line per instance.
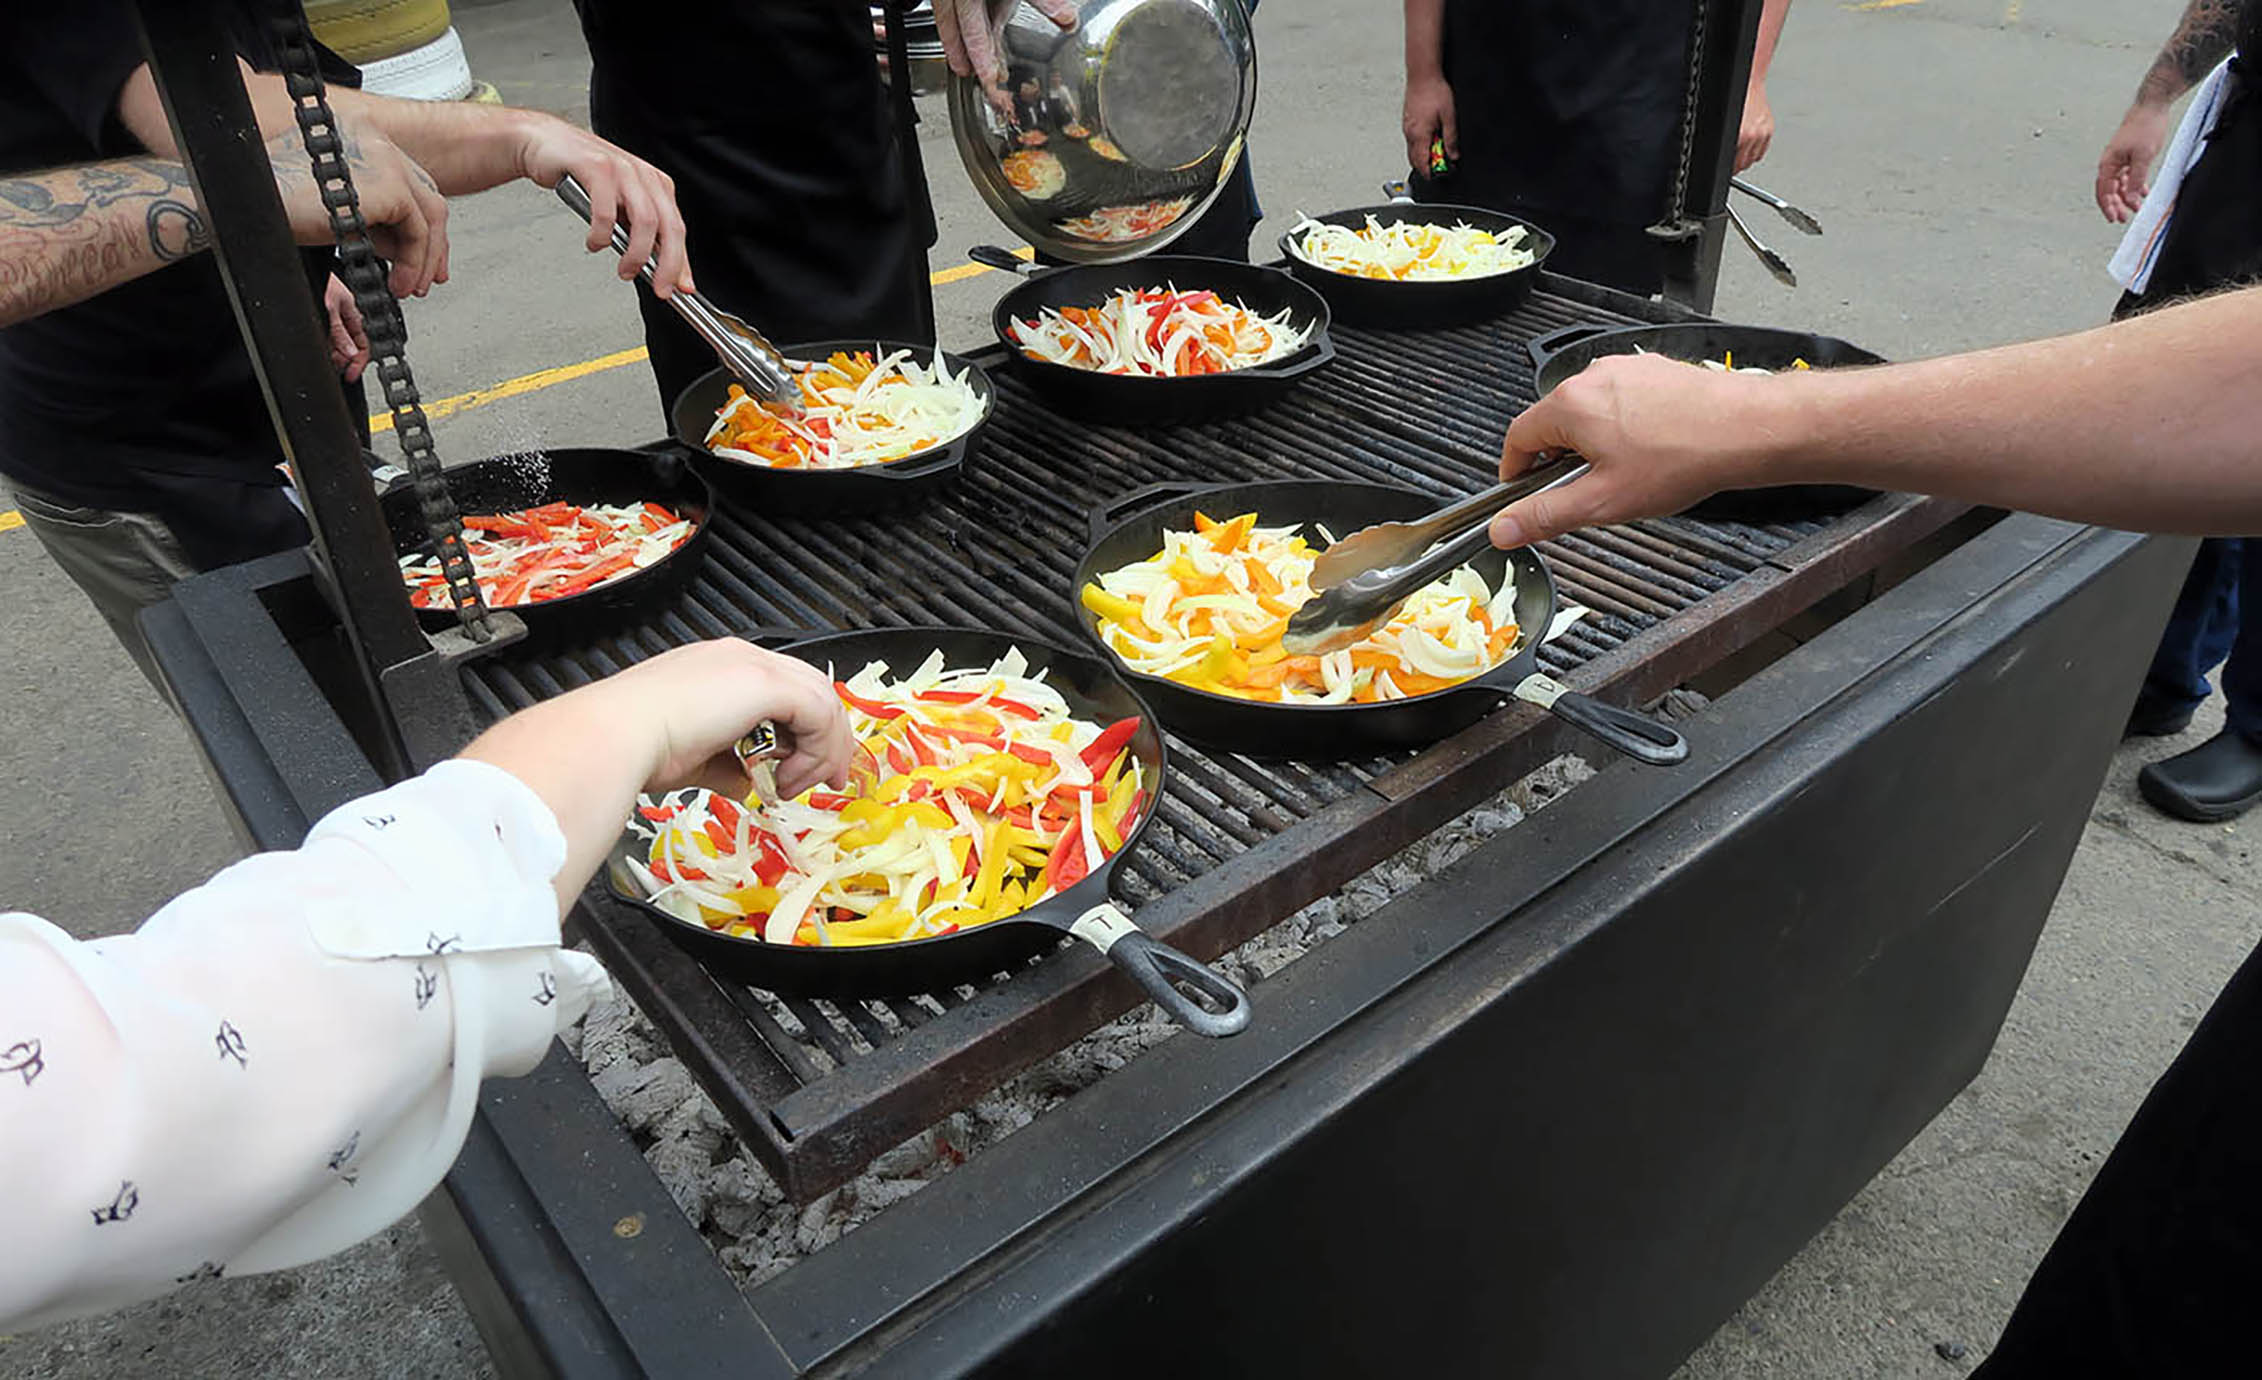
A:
(1318, 353)
(1005, 260)
(1638, 736)
(1146, 496)
(1165, 974)
(1548, 344)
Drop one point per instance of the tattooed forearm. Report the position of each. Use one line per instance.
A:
(2202, 38)
(69, 234)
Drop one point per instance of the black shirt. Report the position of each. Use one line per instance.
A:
(142, 398)
(1571, 106)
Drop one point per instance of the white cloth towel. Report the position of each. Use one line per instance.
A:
(2131, 264)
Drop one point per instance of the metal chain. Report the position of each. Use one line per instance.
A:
(362, 272)
(1675, 223)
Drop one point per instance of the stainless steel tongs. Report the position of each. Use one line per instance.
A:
(1361, 580)
(744, 351)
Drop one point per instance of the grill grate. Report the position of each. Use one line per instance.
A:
(804, 1081)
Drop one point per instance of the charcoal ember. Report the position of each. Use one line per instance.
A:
(1550, 783)
(819, 1226)
(616, 1033)
(740, 1195)
(872, 1195)
(643, 1096)
(1678, 704)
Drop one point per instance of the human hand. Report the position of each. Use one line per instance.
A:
(406, 215)
(349, 341)
(1659, 435)
(1757, 130)
(1428, 116)
(2122, 170)
(970, 31)
(702, 698)
(622, 188)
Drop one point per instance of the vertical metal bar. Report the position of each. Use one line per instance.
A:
(198, 81)
(1692, 266)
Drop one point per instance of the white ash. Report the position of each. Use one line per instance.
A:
(745, 1216)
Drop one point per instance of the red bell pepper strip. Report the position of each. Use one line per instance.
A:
(827, 800)
(1101, 750)
(874, 708)
(658, 814)
(1066, 866)
(1014, 707)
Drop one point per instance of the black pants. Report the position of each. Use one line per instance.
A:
(2156, 1269)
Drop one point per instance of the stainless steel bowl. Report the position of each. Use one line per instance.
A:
(1109, 140)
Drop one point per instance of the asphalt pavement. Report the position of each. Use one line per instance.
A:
(1947, 146)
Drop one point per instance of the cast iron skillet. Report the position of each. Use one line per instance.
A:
(819, 493)
(1129, 400)
(1421, 306)
(1560, 353)
(1346, 730)
(510, 482)
(1094, 692)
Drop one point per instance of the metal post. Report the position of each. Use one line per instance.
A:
(404, 710)
(1692, 265)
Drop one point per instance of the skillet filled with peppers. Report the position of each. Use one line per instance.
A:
(998, 783)
(1174, 589)
(571, 540)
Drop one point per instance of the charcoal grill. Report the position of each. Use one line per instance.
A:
(1580, 1092)
(817, 1088)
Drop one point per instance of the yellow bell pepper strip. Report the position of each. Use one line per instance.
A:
(1111, 606)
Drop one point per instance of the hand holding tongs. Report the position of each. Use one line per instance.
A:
(1361, 580)
(745, 351)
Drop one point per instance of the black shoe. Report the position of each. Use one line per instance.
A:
(2153, 720)
(2220, 779)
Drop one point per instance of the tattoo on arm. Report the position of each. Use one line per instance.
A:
(69, 234)
(2202, 38)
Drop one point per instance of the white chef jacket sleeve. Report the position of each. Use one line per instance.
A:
(282, 1061)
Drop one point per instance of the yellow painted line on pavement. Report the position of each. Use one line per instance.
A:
(512, 388)
(1881, 4)
(567, 373)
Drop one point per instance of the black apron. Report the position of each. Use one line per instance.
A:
(772, 117)
(1569, 115)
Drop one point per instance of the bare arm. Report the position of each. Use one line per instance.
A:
(2202, 38)
(1755, 131)
(660, 724)
(468, 148)
(1429, 111)
(72, 233)
(2152, 424)
(75, 232)
(2204, 34)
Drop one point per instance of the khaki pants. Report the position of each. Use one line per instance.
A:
(124, 561)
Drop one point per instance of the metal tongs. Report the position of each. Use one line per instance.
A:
(1801, 220)
(1361, 580)
(759, 752)
(745, 351)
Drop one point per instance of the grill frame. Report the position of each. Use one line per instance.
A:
(1240, 844)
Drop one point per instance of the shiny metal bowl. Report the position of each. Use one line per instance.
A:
(1109, 140)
